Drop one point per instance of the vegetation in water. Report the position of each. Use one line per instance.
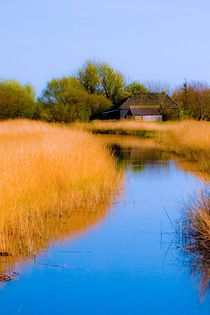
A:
(196, 235)
(56, 182)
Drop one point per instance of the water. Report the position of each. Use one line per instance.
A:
(129, 261)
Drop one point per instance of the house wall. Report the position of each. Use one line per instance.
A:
(123, 113)
(113, 114)
(149, 118)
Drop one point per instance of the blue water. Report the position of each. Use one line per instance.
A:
(124, 265)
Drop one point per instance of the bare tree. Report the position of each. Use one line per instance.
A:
(158, 87)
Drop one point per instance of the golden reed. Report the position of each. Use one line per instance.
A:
(188, 138)
(55, 183)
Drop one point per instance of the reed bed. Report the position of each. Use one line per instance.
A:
(187, 138)
(55, 182)
(123, 127)
(197, 237)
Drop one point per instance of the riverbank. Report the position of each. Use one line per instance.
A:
(189, 139)
(52, 184)
(132, 128)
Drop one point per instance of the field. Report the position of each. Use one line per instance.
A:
(53, 180)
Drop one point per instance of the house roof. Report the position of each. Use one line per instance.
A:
(148, 99)
(144, 110)
(111, 111)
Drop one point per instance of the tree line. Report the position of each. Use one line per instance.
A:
(95, 88)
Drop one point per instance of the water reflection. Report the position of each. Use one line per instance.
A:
(24, 244)
(136, 154)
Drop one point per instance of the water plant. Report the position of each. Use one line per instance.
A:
(196, 236)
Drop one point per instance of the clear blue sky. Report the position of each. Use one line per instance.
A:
(166, 40)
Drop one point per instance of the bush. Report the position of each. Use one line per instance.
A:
(65, 100)
(17, 101)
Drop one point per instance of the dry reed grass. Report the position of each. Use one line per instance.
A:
(187, 138)
(128, 126)
(197, 237)
(55, 182)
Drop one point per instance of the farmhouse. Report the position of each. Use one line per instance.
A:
(146, 106)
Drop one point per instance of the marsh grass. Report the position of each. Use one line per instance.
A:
(56, 182)
(189, 138)
(196, 230)
(123, 127)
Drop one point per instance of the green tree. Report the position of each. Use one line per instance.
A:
(112, 83)
(89, 77)
(17, 101)
(65, 100)
(136, 87)
(100, 78)
(98, 104)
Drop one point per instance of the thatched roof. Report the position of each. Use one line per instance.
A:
(148, 99)
(144, 110)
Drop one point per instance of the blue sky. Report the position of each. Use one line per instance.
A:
(167, 40)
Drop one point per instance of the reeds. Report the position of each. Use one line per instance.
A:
(55, 182)
(123, 127)
(189, 138)
(197, 238)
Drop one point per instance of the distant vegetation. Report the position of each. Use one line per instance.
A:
(96, 87)
(193, 100)
(17, 101)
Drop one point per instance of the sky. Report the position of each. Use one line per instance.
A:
(166, 40)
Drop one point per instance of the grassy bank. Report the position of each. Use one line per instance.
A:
(123, 127)
(187, 138)
(55, 182)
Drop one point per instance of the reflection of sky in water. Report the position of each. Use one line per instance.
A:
(120, 266)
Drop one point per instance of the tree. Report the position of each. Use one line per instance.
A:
(98, 104)
(158, 87)
(136, 87)
(17, 101)
(65, 100)
(112, 83)
(193, 99)
(200, 99)
(89, 77)
(100, 78)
